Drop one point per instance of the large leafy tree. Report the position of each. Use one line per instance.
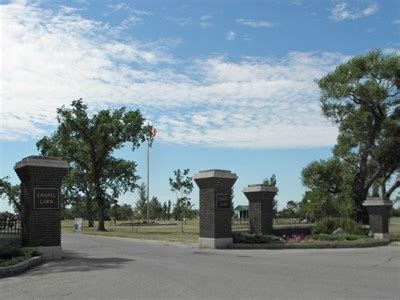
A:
(88, 142)
(362, 96)
(329, 183)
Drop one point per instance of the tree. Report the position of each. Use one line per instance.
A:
(155, 209)
(362, 97)
(290, 211)
(75, 191)
(272, 182)
(88, 141)
(169, 206)
(12, 193)
(141, 202)
(126, 212)
(329, 183)
(182, 185)
(164, 211)
(115, 213)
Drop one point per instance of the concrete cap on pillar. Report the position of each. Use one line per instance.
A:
(376, 201)
(255, 188)
(42, 161)
(215, 173)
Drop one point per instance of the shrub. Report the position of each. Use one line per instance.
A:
(329, 225)
(247, 238)
(339, 237)
(8, 252)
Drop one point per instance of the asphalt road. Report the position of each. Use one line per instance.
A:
(114, 268)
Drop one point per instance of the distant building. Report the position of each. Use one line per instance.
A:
(242, 212)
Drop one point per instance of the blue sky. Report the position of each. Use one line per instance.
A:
(228, 84)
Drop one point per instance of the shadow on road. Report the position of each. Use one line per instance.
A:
(79, 262)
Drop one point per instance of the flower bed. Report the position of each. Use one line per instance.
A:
(318, 241)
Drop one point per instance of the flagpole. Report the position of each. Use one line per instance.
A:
(148, 178)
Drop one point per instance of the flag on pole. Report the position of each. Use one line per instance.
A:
(153, 132)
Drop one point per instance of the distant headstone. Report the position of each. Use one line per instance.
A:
(40, 199)
(78, 224)
(215, 207)
(260, 198)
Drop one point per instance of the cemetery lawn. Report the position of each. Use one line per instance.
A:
(170, 233)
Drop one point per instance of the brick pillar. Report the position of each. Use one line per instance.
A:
(40, 198)
(260, 207)
(378, 213)
(215, 208)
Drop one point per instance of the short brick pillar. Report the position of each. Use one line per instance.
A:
(40, 198)
(215, 208)
(378, 213)
(261, 198)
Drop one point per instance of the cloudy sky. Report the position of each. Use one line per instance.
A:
(228, 84)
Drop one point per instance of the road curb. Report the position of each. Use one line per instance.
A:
(20, 267)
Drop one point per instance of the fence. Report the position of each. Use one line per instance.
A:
(10, 226)
(240, 225)
(280, 224)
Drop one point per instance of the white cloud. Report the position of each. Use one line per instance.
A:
(130, 21)
(122, 6)
(342, 12)
(181, 21)
(54, 57)
(396, 22)
(254, 23)
(230, 35)
(206, 21)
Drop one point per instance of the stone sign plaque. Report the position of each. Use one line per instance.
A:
(45, 198)
(223, 201)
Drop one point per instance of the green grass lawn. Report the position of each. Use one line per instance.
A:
(172, 233)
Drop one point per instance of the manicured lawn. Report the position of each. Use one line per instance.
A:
(172, 233)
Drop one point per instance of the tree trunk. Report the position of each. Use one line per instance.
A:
(360, 195)
(89, 212)
(100, 225)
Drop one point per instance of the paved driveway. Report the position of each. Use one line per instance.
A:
(113, 268)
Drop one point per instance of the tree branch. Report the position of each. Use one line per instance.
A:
(392, 189)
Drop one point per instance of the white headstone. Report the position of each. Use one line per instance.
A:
(78, 225)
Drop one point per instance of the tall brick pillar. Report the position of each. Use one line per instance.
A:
(378, 213)
(260, 207)
(40, 198)
(215, 208)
